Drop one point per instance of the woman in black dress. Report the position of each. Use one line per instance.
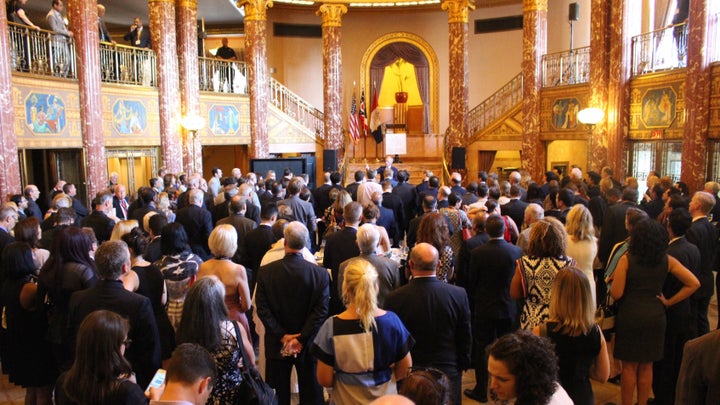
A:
(27, 359)
(641, 320)
(579, 342)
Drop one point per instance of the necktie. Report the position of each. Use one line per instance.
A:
(123, 205)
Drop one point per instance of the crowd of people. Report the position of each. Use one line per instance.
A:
(358, 292)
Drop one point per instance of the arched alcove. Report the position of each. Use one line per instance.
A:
(386, 50)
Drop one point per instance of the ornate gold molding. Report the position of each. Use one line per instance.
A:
(429, 53)
(534, 5)
(255, 10)
(458, 10)
(331, 14)
(191, 4)
(162, 1)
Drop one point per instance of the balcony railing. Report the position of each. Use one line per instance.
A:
(568, 67)
(297, 108)
(661, 49)
(496, 105)
(41, 52)
(128, 65)
(714, 32)
(222, 76)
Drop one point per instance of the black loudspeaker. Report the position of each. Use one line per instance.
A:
(458, 158)
(574, 12)
(330, 160)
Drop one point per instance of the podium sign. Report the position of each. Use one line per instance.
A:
(395, 143)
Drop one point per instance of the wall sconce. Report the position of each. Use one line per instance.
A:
(590, 117)
(192, 124)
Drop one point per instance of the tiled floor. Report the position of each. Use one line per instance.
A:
(604, 393)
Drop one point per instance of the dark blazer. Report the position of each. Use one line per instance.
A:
(257, 242)
(387, 220)
(220, 211)
(699, 372)
(118, 209)
(242, 226)
(252, 212)
(153, 251)
(689, 256)
(388, 274)
(394, 202)
(144, 38)
(492, 267)
(339, 247)
(291, 297)
(462, 267)
(438, 317)
(198, 225)
(303, 211)
(352, 189)
(79, 208)
(613, 230)
(458, 189)
(144, 353)
(704, 235)
(322, 199)
(139, 213)
(515, 209)
(100, 223)
(381, 171)
(408, 195)
(33, 210)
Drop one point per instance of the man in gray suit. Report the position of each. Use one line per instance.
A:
(61, 39)
(302, 211)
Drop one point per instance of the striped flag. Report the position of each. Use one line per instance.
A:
(353, 121)
(363, 115)
(374, 112)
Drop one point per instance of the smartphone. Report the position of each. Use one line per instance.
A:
(157, 380)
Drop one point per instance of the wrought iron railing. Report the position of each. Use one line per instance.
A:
(222, 76)
(661, 49)
(128, 65)
(567, 67)
(41, 52)
(297, 108)
(496, 105)
(714, 32)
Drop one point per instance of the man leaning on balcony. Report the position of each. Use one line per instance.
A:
(61, 39)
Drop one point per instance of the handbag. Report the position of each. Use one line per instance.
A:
(252, 389)
(466, 234)
(605, 314)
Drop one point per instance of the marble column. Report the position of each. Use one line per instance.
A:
(618, 107)
(599, 68)
(187, 44)
(257, 71)
(9, 166)
(84, 24)
(697, 98)
(162, 32)
(332, 74)
(457, 133)
(534, 47)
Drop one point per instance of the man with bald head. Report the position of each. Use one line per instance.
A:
(197, 222)
(437, 315)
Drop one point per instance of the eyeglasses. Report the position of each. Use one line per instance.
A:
(127, 342)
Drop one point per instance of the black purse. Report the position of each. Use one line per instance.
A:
(605, 314)
(252, 389)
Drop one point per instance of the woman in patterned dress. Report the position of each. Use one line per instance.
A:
(536, 271)
(434, 230)
(205, 322)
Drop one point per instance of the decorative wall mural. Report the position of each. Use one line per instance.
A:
(658, 107)
(129, 117)
(223, 119)
(45, 113)
(564, 113)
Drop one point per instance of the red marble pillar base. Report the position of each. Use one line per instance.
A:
(697, 99)
(9, 166)
(256, 58)
(162, 31)
(534, 46)
(83, 15)
(187, 43)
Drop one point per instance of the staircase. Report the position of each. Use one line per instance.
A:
(297, 109)
(495, 108)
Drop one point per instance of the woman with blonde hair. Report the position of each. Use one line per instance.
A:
(355, 377)
(223, 244)
(163, 206)
(582, 244)
(131, 282)
(536, 270)
(579, 342)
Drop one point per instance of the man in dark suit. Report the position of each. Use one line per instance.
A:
(113, 264)
(492, 267)
(197, 223)
(352, 188)
(408, 195)
(432, 190)
(480, 237)
(259, 240)
(388, 165)
(32, 193)
(515, 208)
(387, 269)
(677, 332)
(301, 210)
(438, 317)
(471, 196)
(153, 251)
(77, 205)
(387, 219)
(456, 184)
(121, 203)
(613, 230)
(703, 235)
(147, 197)
(252, 211)
(699, 372)
(292, 302)
(429, 204)
(242, 225)
(321, 195)
(138, 35)
(339, 247)
(98, 220)
(394, 203)
(8, 219)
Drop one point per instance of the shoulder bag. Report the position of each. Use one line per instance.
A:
(252, 389)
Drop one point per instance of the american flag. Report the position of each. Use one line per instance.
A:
(353, 121)
(363, 116)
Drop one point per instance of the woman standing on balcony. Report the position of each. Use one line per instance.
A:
(18, 14)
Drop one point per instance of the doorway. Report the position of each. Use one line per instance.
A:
(135, 167)
(44, 167)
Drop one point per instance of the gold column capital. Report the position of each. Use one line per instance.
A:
(331, 14)
(191, 4)
(458, 10)
(535, 5)
(255, 10)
